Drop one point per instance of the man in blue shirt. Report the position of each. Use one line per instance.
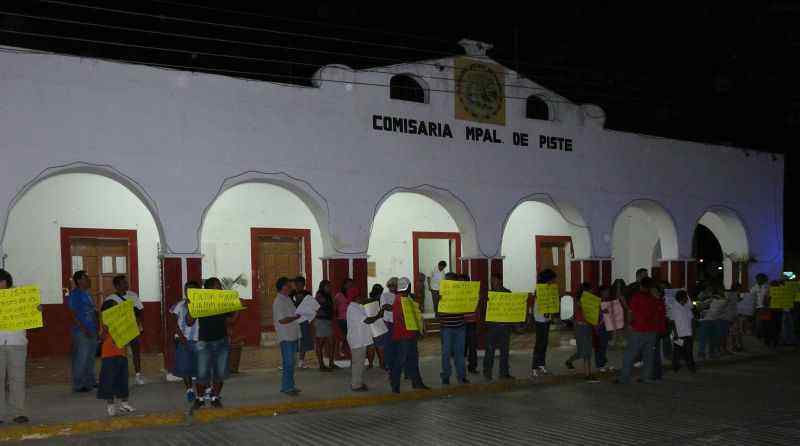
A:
(84, 333)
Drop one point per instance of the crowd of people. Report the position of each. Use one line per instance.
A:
(651, 320)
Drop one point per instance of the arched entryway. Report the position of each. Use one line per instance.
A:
(644, 234)
(721, 248)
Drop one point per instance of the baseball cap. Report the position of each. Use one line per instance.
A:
(403, 284)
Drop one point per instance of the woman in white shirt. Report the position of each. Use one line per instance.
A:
(359, 336)
(680, 313)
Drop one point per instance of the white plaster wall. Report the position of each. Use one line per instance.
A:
(635, 238)
(528, 220)
(390, 244)
(226, 230)
(32, 240)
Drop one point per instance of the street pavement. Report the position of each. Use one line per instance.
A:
(748, 402)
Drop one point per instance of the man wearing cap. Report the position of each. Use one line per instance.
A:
(402, 354)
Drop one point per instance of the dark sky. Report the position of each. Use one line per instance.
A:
(723, 72)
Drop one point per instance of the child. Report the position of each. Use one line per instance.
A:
(186, 343)
(114, 368)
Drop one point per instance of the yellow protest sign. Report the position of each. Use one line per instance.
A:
(204, 303)
(506, 307)
(794, 286)
(121, 323)
(458, 297)
(781, 298)
(590, 304)
(547, 298)
(410, 313)
(19, 308)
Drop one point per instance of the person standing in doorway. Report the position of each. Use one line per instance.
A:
(359, 336)
(306, 336)
(186, 343)
(498, 338)
(123, 292)
(644, 330)
(453, 337)
(84, 333)
(404, 352)
(13, 360)
(434, 282)
(288, 331)
(323, 328)
(542, 323)
(213, 348)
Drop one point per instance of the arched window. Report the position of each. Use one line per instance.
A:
(406, 88)
(536, 108)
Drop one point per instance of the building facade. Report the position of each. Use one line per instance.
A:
(169, 175)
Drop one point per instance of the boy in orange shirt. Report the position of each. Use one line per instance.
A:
(114, 369)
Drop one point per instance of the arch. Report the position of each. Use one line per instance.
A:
(729, 230)
(534, 219)
(105, 170)
(407, 87)
(302, 189)
(641, 228)
(537, 108)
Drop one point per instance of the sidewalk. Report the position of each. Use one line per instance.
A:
(160, 402)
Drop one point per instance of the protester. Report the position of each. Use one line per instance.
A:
(380, 342)
(186, 342)
(434, 283)
(288, 331)
(403, 353)
(323, 328)
(213, 348)
(644, 329)
(759, 293)
(732, 341)
(123, 292)
(13, 362)
(306, 336)
(542, 323)
(84, 333)
(359, 336)
(618, 294)
(114, 368)
(681, 317)
(453, 337)
(498, 337)
(746, 310)
(471, 339)
(340, 302)
(662, 335)
(770, 319)
(387, 301)
(711, 307)
(583, 335)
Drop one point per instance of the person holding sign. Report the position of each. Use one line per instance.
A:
(542, 323)
(402, 353)
(186, 342)
(114, 367)
(123, 292)
(453, 337)
(288, 330)
(583, 332)
(13, 359)
(359, 336)
(498, 338)
(84, 333)
(213, 347)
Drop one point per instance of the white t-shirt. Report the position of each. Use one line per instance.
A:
(538, 316)
(759, 292)
(358, 333)
(436, 279)
(16, 337)
(682, 316)
(131, 296)
(387, 298)
(283, 308)
(180, 310)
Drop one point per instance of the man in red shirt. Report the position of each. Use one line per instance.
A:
(402, 354)
(645, 324)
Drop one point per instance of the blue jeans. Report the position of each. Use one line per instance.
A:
(212, 361)
(601, 354)
(288, 353)
(498, 337)
(638, 343)
(707, 338)
(453, 340)
(84, 350)
(402, 356)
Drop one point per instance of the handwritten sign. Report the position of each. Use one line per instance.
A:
(458, 296)
(203, 303)
(506, 307)
(410, 313)
(19, 308)
(590, 304)
(121, 323)
(547, 298)
(795, 287)
(781, 298)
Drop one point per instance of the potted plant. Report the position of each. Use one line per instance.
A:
(236, 338)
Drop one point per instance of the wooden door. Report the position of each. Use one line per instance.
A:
(553, 255)
(277, 257)
(102, 259)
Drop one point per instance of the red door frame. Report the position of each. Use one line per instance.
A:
(255, 234)
(542, 239)
(67, 234)
(415, 238)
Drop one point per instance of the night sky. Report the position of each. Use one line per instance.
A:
(721, 73)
